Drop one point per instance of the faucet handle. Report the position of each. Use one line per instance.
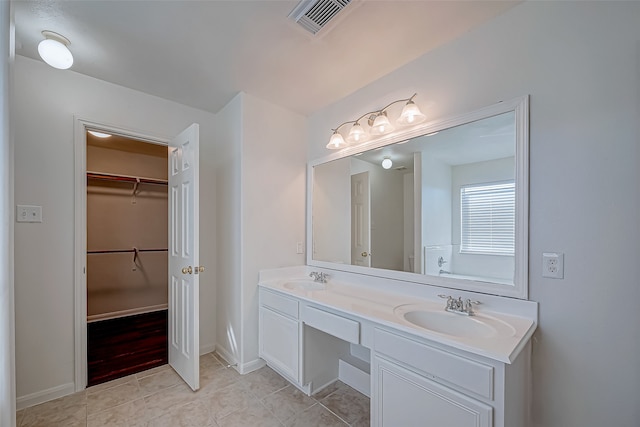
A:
(468, 306)
(450, 300)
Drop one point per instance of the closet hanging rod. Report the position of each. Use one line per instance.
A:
(113, 251)
(124, 178)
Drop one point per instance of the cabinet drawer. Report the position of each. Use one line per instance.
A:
(338, 326)
(279, 303)
(465, 373)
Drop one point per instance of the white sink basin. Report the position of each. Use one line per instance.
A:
(457, 325)
(304, 285)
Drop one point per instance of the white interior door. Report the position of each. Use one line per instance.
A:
(184, 267)
(360, 220)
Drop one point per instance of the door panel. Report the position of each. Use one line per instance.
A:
(360, 220)
(184, 342)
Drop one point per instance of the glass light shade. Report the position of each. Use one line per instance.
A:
(411, 114)
(336, 142)
(381, 125)
(356, 134)
(387, 163)
(99, 134)
(55, 54)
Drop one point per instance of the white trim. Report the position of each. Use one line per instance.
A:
(44, 395)
(129, 312)
(254, 365)
(207, 348)
(520, 106)
(81, 125)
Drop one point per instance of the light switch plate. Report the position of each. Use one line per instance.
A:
(28, 213)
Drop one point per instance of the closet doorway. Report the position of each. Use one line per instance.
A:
(134, 253)
(127, 256)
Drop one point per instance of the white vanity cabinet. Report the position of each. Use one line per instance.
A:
(280, 332)
(414, 378)
(415, 384)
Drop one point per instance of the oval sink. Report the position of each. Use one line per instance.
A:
(450, 323)
(457, 325)
(305, 285)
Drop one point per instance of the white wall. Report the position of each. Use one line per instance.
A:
(228, 125)
(7, 361)
(46, 101)
(273, 185)
(580, 63)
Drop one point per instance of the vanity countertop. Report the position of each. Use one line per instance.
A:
(385, 307)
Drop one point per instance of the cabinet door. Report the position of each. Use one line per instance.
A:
(403, 398)
(279, 342)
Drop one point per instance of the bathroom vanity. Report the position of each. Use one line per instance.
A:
(418, 363)
(411, 251)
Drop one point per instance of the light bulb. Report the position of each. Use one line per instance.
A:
(381, 125)
(336, 141)
(356, 134)
(411, 114)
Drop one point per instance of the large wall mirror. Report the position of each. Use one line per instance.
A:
(444, 203)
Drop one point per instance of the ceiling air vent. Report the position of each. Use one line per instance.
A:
(313, 15)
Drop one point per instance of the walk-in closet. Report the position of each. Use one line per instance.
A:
(126, 256)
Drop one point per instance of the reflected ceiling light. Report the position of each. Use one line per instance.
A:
(387, 163)
(378, 122)
(99, 134)
(54, 51)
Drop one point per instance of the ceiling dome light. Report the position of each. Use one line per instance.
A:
(356, 134)
(387, 163)
(336, 142)
(99, 134)
(54, 51)
(381, 125)
(411, 114)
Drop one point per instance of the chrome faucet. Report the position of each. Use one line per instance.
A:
(459, 306)
(319, 276)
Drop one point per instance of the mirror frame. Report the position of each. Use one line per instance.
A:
(520, 288)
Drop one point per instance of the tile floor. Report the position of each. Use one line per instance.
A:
(159, 398)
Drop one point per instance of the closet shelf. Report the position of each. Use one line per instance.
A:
(125, 178)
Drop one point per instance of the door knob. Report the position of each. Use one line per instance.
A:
(199, 269)
(364, 254)
(187, 270)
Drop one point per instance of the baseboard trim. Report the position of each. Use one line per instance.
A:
(254, 365)
(228, 357)
(45, 395)
(207, 348)
(242, 368)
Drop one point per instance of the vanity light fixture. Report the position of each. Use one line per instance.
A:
(387, 163)
(378, 122)
(54, 51)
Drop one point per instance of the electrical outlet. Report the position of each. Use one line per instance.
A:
(553, 265)
(299, 248)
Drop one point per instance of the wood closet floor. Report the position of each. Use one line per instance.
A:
(127, 345)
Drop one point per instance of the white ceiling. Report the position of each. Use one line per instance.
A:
(202, 53)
